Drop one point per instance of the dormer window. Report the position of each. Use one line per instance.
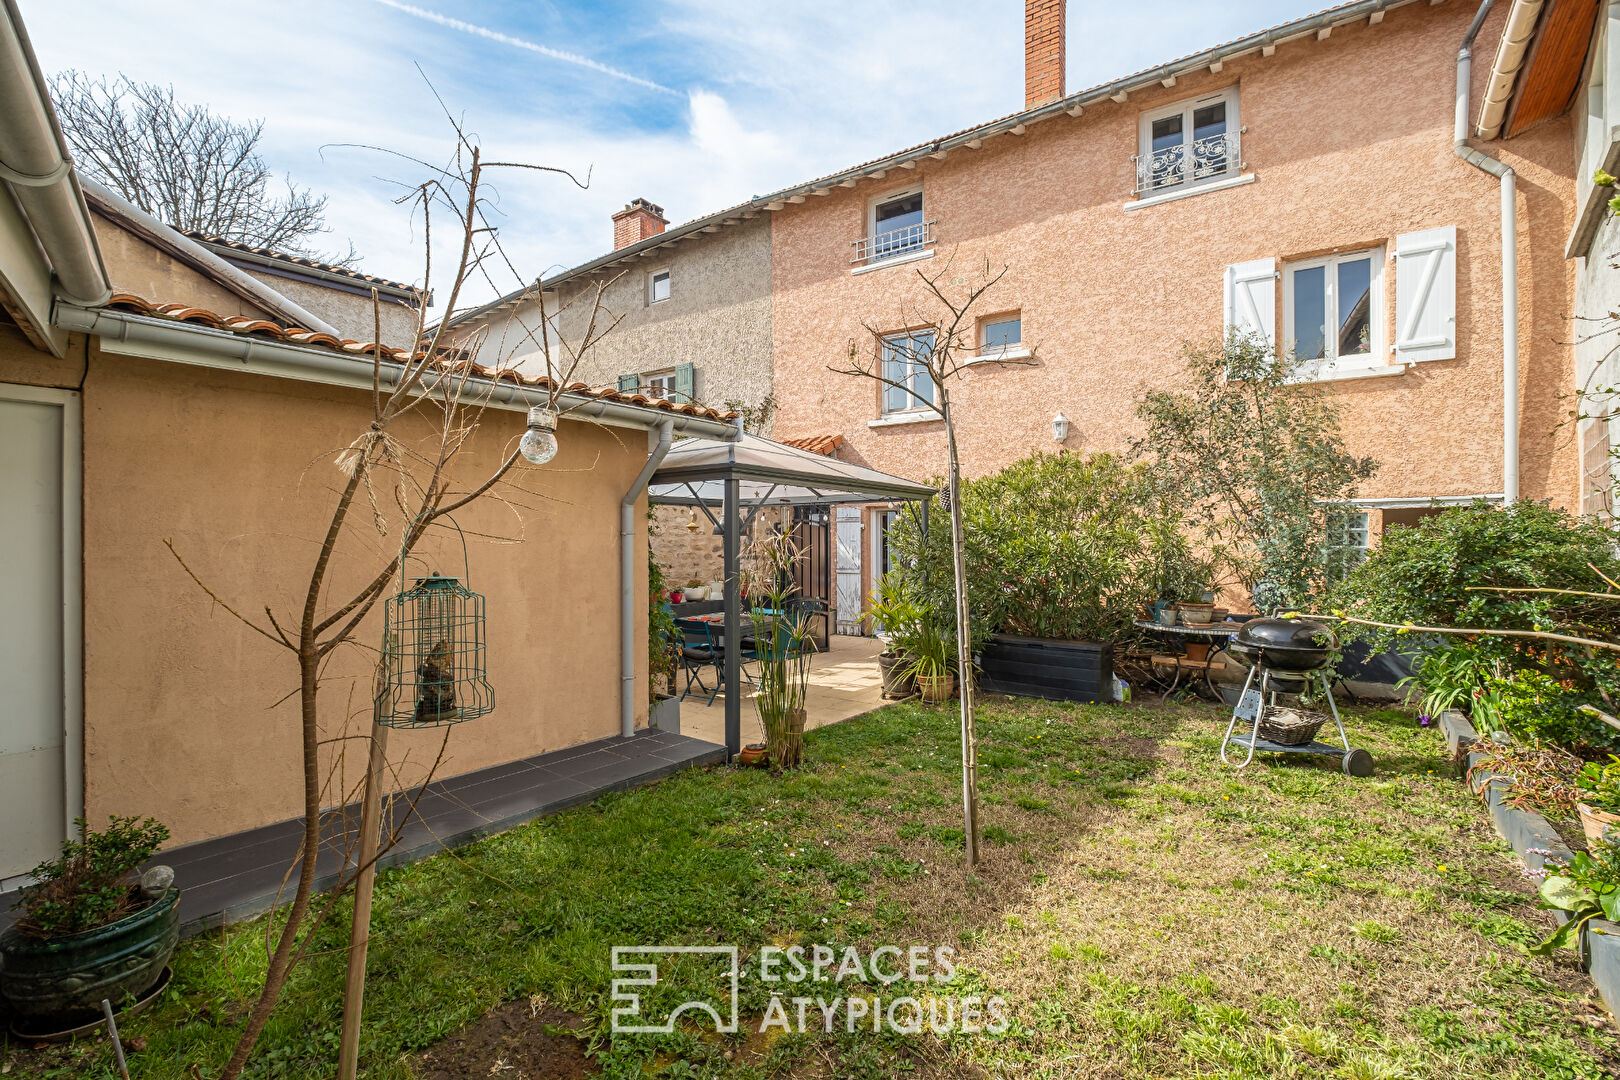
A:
(1192, 142)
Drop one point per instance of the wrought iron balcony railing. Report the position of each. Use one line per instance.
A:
(1208, 158)
(886, 245)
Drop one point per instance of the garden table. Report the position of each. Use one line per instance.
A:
(1198, 641)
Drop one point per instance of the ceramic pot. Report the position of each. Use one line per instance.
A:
(1195, 613)
(67, 976)
(897, 682)
(1593, 821)
(696, 592)
(936, 689)
(754, 756)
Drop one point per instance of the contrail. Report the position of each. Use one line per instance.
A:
(519, 43)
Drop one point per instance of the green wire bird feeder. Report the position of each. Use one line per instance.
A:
(433, 641)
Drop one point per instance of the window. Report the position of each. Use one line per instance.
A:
(894, 226)
(660, 383)
(1331, 310)
(1000, 334)
(657, 286)
(1189, 143)
(1346, 543)
(908, 386)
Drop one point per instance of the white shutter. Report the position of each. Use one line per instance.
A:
(1251, 299)
(1426, 295)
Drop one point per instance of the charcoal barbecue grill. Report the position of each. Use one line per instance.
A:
(1286, 656)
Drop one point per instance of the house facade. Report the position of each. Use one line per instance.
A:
(169, 418)
(1303, 184)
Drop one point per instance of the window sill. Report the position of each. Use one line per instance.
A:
(1187, 191)
(1017, 352)
(1340, 374)
(894, 260)
(894, 419)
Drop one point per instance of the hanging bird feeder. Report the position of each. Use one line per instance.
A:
(433, 636)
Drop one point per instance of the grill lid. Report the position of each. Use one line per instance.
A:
(1294, 644)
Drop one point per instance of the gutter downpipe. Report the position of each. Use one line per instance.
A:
(627, 575)
(1510, 262)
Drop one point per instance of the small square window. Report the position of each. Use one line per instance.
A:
(908, 386)
(1000, 333)
(660, 383)
(658, 286)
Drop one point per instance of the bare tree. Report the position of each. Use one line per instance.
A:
(409, 486)
(184, 164)
(916, 359)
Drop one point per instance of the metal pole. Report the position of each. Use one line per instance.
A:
(112, 1032)
(733, 676)
(354, 986)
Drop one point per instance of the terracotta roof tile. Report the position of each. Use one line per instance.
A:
(825, 445)
(241, 324)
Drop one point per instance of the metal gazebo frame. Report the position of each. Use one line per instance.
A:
(739, 478)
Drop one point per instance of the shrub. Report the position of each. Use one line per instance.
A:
(1480, 567)
(1057, 546)
(89, 884)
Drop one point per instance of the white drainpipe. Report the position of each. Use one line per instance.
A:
(1510, 263)
(628, 578)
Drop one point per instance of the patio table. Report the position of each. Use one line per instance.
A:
(1199, 640)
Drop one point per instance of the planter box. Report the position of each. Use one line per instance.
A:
(1525, 830)
(1047, 668)
(665, 715)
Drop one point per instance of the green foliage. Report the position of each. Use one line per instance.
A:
(1588, 888)
(1599, 785)
(783, 644)
(662, 634)
(1480, 567)
(1253, 455)
(89, 884)
(1057, 546)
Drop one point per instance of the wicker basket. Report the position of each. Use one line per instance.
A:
(1291, 727)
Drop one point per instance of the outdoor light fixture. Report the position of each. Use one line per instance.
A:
(539, 443)
(691, 521)
(1060, 426)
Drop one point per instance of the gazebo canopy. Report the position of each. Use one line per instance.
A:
(769, 473)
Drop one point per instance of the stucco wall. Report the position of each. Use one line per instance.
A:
(1597, 360)
(184, 717)
(351, 314)
(1350, 143)
(135, 266)
(717, 317)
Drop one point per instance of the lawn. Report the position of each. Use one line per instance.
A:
(1144, 911)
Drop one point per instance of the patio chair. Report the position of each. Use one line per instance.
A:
(701, 649)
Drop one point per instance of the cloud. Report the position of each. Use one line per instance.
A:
(520, 43)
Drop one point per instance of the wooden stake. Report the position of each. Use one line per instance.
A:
(964, 644)
(354, 986)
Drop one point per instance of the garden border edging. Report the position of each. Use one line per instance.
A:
(1525, 830)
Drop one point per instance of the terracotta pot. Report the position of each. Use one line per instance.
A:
(754, 756)
(936, 689)
(1593, 820)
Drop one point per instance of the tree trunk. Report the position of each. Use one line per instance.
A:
(964, 644)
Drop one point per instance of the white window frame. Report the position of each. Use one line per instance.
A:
(888, 197)
(922, 249)
(1342, 532)
(650, 383)
(1330, 364)
(652, 279)
(914, 406)
(1186, 108)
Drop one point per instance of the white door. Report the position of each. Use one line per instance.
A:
(37, 436)
(849, 570)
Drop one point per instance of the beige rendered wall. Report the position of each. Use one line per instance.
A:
(184, 717)
(1350, 143)
(135, 266)
(350, 314)
(717, 317)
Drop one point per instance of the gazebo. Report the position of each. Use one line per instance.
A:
(739, 478)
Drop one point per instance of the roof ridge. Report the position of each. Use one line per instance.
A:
(297, 260)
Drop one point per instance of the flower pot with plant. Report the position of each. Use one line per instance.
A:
(91, 928)
(931, 659)
(783, 645)
(1599, 805)
(896, 615)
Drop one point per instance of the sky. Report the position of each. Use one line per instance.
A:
(695, 105)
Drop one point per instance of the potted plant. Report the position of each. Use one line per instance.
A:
(930, 660)
(897, 616)
(696, 590)
(90, 928)
(1599, 805)
(783, 645)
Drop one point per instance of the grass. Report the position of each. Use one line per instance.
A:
(1145, 912)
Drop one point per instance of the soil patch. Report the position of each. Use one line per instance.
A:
(518, 1041)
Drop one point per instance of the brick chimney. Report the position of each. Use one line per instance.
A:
(1043, 51)
(637, 221)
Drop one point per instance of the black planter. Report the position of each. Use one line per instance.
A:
(1047, 668)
